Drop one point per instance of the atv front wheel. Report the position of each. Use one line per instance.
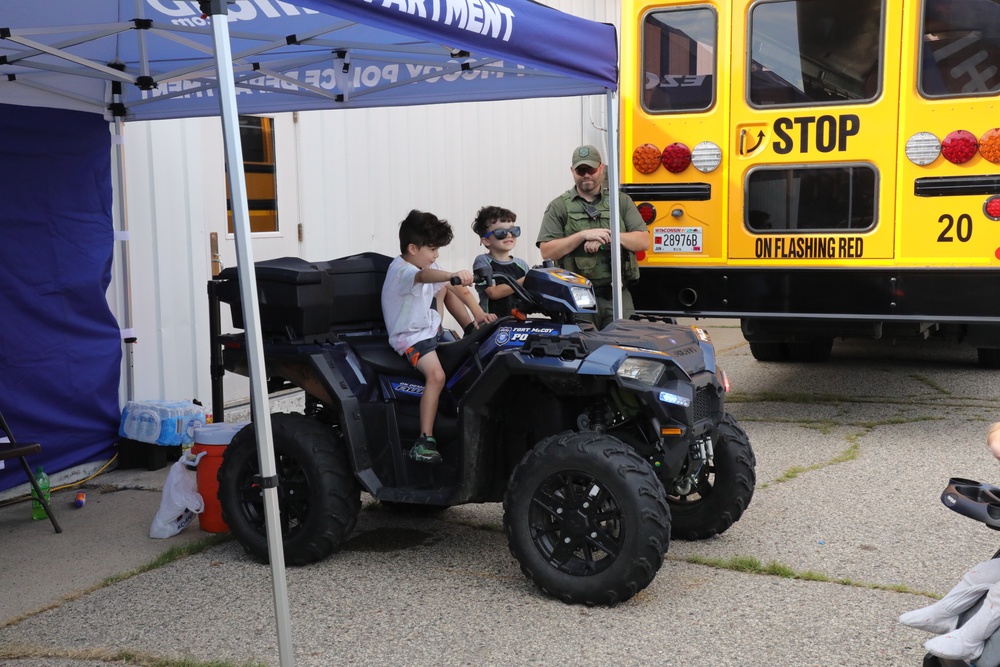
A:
(587, 519)
(318, 496)
(723, 488)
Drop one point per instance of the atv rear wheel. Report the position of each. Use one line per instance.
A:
(318, 496)
(587, 519)
(723, 489)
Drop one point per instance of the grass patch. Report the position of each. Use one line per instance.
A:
(737, 396)
(169, 556)
(930, 383)
(849, 454)
(852, 452)
(798, 397)
(751, 565)
(125, 657)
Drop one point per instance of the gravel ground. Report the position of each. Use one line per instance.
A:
(852, 457)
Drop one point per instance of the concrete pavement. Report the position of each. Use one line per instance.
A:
(852, 457)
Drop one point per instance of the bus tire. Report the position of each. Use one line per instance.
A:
(815, 349)
(989, 357)
(769, 351)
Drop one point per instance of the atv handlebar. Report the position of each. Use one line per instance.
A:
(974, 500)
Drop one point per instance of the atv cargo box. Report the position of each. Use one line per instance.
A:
(299, 299)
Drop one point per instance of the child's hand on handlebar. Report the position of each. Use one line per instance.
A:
(462, 277)
(486, 319)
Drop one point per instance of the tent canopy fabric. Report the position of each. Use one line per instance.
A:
(60, 349)
(315, 54)
(155, 59)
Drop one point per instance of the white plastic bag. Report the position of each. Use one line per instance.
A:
(181, 502)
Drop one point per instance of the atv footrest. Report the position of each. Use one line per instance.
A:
(415, 496)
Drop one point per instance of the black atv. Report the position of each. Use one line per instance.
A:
(602, 445)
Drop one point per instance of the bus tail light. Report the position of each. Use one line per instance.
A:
(646, 158)
(989, 145)
(706, 156)
(676, 157)
(959, 146)
(923, 148)
(992, 208)
(647, 211)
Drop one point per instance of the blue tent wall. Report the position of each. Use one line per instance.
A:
(60, 347)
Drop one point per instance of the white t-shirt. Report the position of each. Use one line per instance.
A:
(406, 305)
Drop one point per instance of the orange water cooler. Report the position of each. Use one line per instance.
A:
(212, 439)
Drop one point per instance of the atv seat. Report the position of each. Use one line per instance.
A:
(383, 359)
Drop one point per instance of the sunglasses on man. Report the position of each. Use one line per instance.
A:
(584, 170)
(501, 234)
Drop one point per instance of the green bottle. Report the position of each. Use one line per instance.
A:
(37, 511)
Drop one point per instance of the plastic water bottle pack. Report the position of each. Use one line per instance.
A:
(161, 422)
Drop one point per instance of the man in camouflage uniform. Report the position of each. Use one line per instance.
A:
(576, 233)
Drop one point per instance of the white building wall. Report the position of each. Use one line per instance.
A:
(348, 178)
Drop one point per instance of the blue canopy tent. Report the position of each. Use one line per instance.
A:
(153, 59)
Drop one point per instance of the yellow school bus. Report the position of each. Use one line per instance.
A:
(817, 168)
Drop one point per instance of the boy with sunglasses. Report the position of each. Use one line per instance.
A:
(497, 232)
(576, 233)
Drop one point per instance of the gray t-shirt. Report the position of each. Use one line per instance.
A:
(516, 268)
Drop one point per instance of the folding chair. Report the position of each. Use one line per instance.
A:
(19, 451)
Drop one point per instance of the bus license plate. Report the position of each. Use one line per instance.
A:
(677, 239)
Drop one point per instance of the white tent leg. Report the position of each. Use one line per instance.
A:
(254, 343)
(614, 205)
(125, 319)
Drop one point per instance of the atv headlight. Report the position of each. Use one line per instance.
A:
(675, 399)
(641, 370)
(583, 297)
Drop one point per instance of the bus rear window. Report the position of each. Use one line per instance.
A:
(960, 48)
(678, 58)
(814, 52)
(815, 199)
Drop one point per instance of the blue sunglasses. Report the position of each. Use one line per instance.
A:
(501, 234)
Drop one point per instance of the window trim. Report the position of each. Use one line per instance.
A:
(918, 68)
(642, 59)
(748, 60)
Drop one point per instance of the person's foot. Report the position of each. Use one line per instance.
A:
(929, 619)
(954, 646)
(425, 450)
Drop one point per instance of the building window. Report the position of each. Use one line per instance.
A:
(257, 137)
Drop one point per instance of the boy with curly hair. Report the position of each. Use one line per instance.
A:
(413, 293)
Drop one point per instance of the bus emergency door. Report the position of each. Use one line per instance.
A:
(814, 106)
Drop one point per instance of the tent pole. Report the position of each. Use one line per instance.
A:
(125, 322)
(251, 317)
(614, 204)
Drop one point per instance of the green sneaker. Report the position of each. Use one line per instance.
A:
(425, 450)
